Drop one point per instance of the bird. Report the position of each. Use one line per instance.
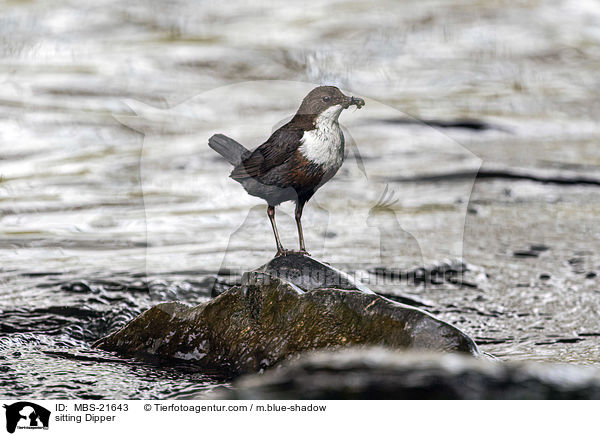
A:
(296, 160)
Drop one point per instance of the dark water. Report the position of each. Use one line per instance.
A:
(110, 200)
(46, 345)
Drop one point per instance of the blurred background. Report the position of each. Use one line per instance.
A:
(111, 200)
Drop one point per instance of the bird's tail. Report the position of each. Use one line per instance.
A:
(231, 150)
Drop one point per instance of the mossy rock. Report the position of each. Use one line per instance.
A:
(266, 320)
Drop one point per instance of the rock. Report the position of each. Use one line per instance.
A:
(410, 300)
(539, 247)
(268, 318)
(490, 171)
(526, 253)
(435, 274)
(309, 274)
(305, 272)
(457, 123)
(378, 374)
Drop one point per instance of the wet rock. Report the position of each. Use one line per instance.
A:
(219, 286)
(410, 300)
(526, 253)
(560, 341)
(281, 309)
(435, 274)
(482, 340)
(305, 272)
(470, 124)
(541, 175)
(539, 247)
(459, 281)
(309, 274)
(376, 373)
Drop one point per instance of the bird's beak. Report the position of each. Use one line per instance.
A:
(358, 102)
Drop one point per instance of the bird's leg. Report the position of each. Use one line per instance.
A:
(299, 207)
(271, 213)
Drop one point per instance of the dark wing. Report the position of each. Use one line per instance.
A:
(273, 152)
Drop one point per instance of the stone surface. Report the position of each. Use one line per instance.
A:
(305, 272)
(377, 373)
(266, 320)
(309, 274)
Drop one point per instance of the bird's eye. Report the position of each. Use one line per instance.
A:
(326, 98)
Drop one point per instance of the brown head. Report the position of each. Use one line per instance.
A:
(324, 97)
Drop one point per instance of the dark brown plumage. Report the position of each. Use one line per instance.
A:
(297, 159)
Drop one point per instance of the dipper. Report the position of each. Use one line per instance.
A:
(297, 159)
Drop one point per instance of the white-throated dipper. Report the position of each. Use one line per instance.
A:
(297, 159)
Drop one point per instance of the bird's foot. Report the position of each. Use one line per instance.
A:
(300, 252)
(283, 252)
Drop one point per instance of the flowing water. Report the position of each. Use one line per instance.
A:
(111, 200)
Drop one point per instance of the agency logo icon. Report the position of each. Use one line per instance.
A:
(26, 415)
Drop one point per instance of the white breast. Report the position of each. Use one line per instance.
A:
(325, 144)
